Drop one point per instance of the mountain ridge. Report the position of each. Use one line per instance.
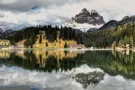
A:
(114, 23)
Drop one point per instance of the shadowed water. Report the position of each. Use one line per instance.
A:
(67, 70)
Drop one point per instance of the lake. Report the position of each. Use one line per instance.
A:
(67, 70)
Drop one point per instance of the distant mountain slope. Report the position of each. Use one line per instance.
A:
(127, 19)
(114, 23)
(8, 31)
(110, 24)
(1, 30)
(5, 34)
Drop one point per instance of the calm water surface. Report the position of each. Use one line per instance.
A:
(67, 70)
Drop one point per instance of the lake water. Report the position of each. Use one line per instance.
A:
(67, 70)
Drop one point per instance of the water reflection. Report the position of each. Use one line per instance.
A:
(4, 54)
(90, 68)
(86, 79)
(46, 61)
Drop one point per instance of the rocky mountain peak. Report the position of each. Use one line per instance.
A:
(85, 21)
(94, 13)
(85, 11)
(90, 18)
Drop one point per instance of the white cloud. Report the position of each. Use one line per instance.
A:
(8, 1)
(61, 10)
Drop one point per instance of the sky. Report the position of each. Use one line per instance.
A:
(17, 14)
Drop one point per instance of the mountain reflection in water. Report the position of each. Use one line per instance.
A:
(66, 69)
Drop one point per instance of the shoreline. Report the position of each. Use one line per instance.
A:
(71, 49)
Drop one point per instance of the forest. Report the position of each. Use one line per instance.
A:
(30, 34)
(119, 36)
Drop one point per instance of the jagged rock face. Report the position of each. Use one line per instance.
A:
(85, 21)
(91, 18)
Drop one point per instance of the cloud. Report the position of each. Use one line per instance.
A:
(24, 5)
(17, 14)
(15, 76)
(7, 1)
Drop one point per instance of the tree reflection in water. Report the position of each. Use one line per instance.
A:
(111, 62)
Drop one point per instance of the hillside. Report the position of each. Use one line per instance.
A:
(121, 36)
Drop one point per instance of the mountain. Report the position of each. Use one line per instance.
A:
(127, 19)
(1, 30)
(8, 31)
(110, 24)
(11, 34)
(85, 20)
(5, 34)
(91, 18)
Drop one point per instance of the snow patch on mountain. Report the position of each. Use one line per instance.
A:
(78, 26)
